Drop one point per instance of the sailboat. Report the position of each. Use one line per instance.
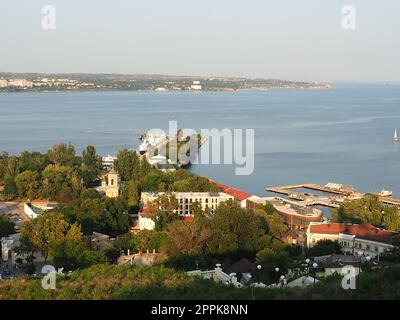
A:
(396, 137)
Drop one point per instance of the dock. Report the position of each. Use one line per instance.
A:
(336, 194)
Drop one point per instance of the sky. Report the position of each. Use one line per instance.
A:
(284, 39)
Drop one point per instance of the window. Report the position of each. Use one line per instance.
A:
(368, 247)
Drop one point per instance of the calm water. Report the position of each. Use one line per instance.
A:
(343, 135)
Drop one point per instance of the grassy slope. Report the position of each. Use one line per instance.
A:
(112, 282)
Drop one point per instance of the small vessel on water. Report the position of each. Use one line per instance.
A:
(396, 136)
(385, 193)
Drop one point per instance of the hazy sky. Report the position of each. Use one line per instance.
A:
(288, 39)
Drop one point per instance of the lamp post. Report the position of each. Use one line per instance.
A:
(315, 265)
(259, 267)
(307, 267)
(360, 254)
(277, 273)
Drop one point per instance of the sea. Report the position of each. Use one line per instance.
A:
(342, 135)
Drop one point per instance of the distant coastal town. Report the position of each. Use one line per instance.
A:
(21, 82)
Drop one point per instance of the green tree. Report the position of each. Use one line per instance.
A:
(127, 164)
(132, 193)
(91, 165)
(10, 187)
(48, 232)
(365, 210)
(234, 229)
(28, 183)
(269, 260)
(6, 227)
(324, 247)
(187, 237)
(391, 219)
(59, 180)
(150, 240)
(62, 154)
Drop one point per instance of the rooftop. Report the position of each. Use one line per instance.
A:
(362, 231)
(236, 193)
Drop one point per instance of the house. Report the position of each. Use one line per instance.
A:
(99, 242)
(35, 208)
(207, 200)
(144, 221)
(31, 211)
(334, 264)
(111, 184)
(241, 266)
(353, 238)
(293, 237)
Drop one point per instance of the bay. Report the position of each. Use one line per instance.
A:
(343, 135)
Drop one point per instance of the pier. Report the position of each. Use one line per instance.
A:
(336, 194)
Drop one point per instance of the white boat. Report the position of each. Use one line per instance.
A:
(396, 136)
(385, 193)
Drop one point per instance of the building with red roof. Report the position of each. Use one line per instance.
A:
(353, 238)
(235, 193)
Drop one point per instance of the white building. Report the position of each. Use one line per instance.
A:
(353, 238)
(196, 85)
(207, 200)
(144, 221)
(22, 83)
(31, 211)
(108, 161)
(3, 83)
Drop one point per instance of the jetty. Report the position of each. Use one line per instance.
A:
(334, 194)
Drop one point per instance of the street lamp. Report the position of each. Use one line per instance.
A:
(315, 265)
(360, 254)
(307, 267)
(277, 273)
(258, 277)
